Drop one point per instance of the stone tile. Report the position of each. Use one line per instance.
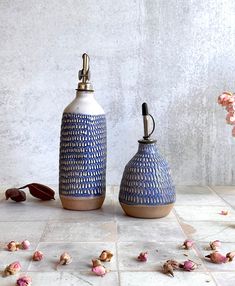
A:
(204, 213)
(156, 278)
(79, 232)
(82, 254)
(197, 195)
(209, 231)
(224, 279)
(149, 230)
(52, 210)
(158, 253)
(23, 256)
(227, 193)
(224, 249)
(21, 230)
(65, 279)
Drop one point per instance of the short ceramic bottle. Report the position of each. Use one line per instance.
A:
(82, 165)
(147, 189)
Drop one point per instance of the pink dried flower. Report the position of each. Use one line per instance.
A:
(217, 257)
(13, 246)
(215, 244)
(230, 118)
(230, 108)
(188, 265)
(224, 212)
(188, 243)
(38, 255)
(226, 98)
(233, 131)
(65, 259)
(169, 266)
(99, 270)
(24, 281)
(25, 244)
(143, 256)
(12, 268)
(106, 256)
(230, 255)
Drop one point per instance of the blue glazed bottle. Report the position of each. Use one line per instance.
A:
(147, 189)
(82, 164)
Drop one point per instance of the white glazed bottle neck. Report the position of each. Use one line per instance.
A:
(84, 103)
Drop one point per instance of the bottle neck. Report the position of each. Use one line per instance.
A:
(84, 94)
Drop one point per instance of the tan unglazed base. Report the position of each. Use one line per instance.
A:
(81, 204)
(147, 211)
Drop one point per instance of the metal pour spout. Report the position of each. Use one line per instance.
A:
(84, 75)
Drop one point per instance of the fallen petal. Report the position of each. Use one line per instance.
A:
(143, 256)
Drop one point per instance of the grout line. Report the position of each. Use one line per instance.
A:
(221, 198)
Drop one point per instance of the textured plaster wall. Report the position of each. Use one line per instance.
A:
(177, 55)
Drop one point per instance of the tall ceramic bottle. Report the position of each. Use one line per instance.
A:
(147, 189)
(82, 165)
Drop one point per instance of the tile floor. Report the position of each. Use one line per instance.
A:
(85, 234)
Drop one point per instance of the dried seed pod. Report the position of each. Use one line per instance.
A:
(24, 281)
(15, 194)
(217, 257)
(168, 269)
(40, 191)
(12, 268)
(106, 256)
(65, 259)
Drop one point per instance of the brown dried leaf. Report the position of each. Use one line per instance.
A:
(15, 194)
(40, 191)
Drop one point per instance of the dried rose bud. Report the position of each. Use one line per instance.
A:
(12, 268)
(13, 246)
(188, 243)
(230, 255)
(175, 264)
(217, 257)
(188, 265)
(143, 256)
(215, 244)
(65, 259)
(223, 212)
(99, 270)
(24, 281)
(15, 194)
(38, 255)
(168, 269)
(96, 262)
(25, 244)
(106, 256)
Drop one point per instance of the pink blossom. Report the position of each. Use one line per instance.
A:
(25, 244)
(12, 268)
(230, 108)
(143, 256)
(99, 270)
(188, 243)
(233, 131)
(38, 255)
(215, 244)
(13, 246)
(226, 98)
(217, 257)
(188, 265)
(24, 281)
(230, 118)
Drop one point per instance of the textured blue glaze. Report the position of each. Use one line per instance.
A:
(82, 169)
(146, 179)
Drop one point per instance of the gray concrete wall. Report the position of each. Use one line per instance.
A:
(177, 55)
